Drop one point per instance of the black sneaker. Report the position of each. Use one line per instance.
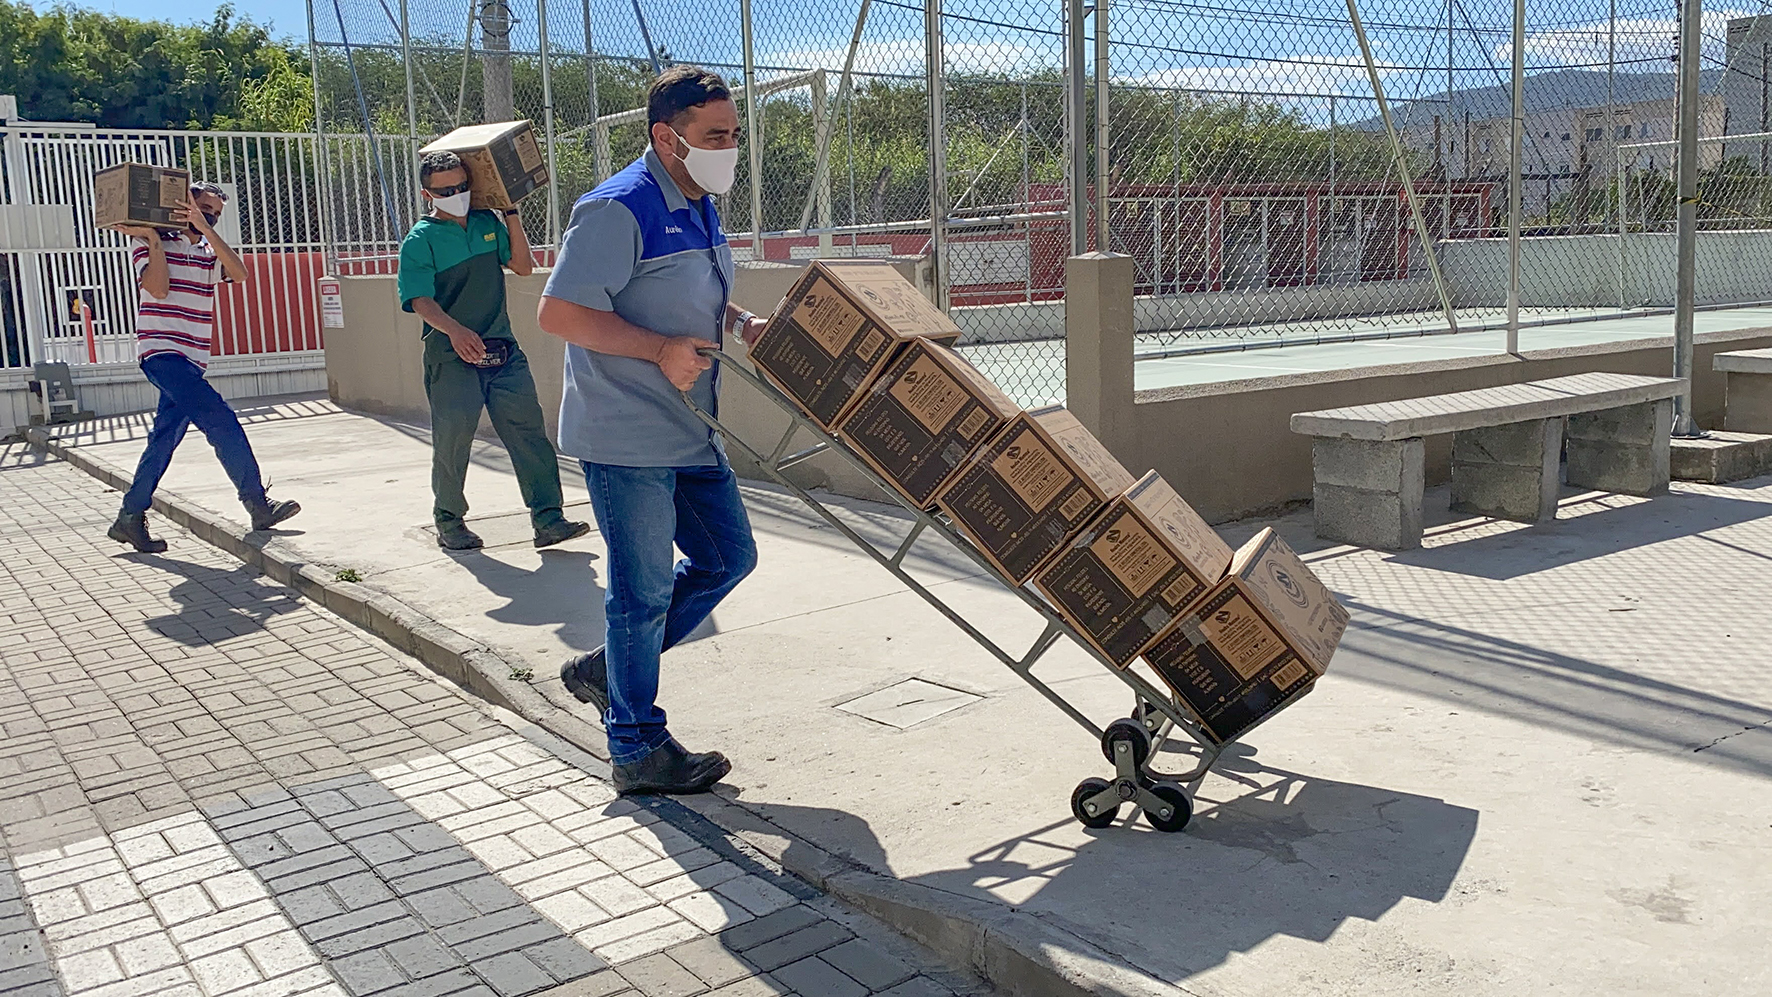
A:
(670, 769)
(133, 530)
(560, 532)
(267, 512)
(587, 678)
(458, 537)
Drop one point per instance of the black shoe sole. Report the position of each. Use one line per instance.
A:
(702, 783)
(581, 688)
(476, 545)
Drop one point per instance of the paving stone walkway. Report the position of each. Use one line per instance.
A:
(211, 787)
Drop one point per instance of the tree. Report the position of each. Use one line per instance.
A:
(72, 64)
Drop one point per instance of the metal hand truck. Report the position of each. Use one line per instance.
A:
(1129, 743)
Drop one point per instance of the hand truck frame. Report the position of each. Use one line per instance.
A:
(1130, 744)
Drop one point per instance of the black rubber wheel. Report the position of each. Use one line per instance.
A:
(1181, 808)
(1127, 730)
(1086, 789)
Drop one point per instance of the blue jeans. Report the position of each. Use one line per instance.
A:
(186, 398)
(652, 604)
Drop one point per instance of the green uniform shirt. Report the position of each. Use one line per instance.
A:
(462, 269)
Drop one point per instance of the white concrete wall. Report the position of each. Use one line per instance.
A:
(1584, 270)
(119, 388)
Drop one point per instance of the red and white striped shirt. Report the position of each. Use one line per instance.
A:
(183, 322)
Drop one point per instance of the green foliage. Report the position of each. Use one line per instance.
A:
(282, 100)
(72, 64)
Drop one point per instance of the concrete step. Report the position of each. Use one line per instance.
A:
(1721, 456)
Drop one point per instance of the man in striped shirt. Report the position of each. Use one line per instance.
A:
(177, 271)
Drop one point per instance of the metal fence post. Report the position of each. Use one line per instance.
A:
(547, 121)
(1103, 162)
(599, 149)
(411, 101)
(1515, 150)
(1686, 221)
(938, 151)
(1402, 161)
(1076, 119)
(322, 162)
(753, 129)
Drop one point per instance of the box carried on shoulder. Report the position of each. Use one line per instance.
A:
(922, 419)
(138, 194)
(1042, 479)
(838, 328)
(504, 161)
(1258, 641)
(1131, 572)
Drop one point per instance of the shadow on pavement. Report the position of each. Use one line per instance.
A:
(1581, 697)
(1293, 855)
(1599, 533)
(215, 604)
(563, 594)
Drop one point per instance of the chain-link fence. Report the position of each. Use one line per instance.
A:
(1250, 173)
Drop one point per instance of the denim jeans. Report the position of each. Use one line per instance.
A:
(651, 604)
(187, 399)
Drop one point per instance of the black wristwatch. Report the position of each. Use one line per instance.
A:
(512, 211)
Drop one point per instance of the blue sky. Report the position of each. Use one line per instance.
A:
(1268, 46)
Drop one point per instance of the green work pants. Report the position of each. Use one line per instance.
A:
(458, 393)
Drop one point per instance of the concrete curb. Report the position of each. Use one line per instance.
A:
(1014, 951)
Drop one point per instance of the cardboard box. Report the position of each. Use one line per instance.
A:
(840, 325)
(923, 418)
(1143, 562)
(1043, 478)
(1261, 636)
(135, 194)
(504, 161)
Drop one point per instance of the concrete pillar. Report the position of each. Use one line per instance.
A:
(1748, 402)
(1368, 492)
(1623, 450)
(1508, 472)
(1098, 331)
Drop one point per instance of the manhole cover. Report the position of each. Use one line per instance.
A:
(908, 703)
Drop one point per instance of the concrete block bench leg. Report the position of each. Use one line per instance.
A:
(1508, 472)
(1368, 492)
(1623, 450)
(1748, 402)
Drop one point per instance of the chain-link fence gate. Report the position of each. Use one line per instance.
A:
(1248, 168)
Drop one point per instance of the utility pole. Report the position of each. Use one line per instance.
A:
(495, 60)
(1686, 221)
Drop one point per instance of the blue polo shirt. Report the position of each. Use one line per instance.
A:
(636, 246)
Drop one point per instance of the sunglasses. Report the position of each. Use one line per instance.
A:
(449, 191)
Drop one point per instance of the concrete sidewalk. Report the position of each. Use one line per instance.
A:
(1539, 762)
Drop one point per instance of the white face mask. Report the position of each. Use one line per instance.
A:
(712, 169)
(454, 204)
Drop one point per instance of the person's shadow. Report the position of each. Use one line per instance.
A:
(216, 604)
(564, 594)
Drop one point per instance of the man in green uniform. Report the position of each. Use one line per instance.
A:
(452, 276)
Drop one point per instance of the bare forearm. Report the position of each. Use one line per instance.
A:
(598, 331)
(156, 279)
(430, 311)
(229, 260)
(522, 258)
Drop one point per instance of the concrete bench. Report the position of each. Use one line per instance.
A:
(1368, 460)
(1747, 395)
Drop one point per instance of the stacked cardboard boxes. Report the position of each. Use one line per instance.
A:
(1258, 640)
(1129, 564)
(838, 328)
(1134, 569)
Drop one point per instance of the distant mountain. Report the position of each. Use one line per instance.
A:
(1542, 92)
